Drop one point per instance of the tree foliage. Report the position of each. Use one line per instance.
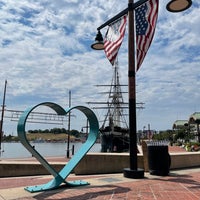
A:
(57, 131)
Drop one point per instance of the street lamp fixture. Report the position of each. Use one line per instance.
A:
(178, 5)
(172, 6)
(98, 44)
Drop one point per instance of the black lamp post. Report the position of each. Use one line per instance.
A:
(172, 6)
(2, 115)
(69, 121)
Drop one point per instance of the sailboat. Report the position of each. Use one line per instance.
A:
(114, 129)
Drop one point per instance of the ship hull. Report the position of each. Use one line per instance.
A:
(114, 142)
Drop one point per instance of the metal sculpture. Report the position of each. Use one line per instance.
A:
(59, 177)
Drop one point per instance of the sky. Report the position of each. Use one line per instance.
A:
(45, 53)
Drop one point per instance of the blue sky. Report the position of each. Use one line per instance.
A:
(45, 52)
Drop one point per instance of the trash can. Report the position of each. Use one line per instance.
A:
(158, 159)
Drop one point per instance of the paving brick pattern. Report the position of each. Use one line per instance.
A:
(183, 185)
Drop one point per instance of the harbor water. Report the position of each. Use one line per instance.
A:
(17, 150)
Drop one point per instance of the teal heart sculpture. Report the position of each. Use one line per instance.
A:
(59, 177)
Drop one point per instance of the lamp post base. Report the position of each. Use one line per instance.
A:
(135, 174)
(67, 153)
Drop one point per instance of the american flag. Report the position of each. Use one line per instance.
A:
(114, 37)
(146, 17)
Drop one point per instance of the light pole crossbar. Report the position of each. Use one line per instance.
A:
(122, 13)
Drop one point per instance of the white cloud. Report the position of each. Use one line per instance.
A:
(45, 52)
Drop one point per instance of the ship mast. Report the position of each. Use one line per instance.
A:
(114, 128)
(116, 96)
(114, 104)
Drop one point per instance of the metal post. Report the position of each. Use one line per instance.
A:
(68, 137)
(2, 115)
(133, 171)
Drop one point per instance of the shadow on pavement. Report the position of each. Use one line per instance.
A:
(83, 194)
(189, 181)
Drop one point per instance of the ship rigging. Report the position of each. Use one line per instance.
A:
(114, 128)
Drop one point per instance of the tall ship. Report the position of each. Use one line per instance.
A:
(114, 128)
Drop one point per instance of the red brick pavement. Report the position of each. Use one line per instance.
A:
(183, 186)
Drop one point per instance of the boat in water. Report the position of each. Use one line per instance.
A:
(114, 127)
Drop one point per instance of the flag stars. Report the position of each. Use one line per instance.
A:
(145, 15)
(141, 20)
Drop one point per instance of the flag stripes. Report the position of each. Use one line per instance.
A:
(146, 18)
(114, 38)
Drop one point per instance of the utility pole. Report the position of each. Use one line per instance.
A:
(68, 135)
(2, 115)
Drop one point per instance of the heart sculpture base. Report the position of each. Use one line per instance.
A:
(50, 186)
(59, 177)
